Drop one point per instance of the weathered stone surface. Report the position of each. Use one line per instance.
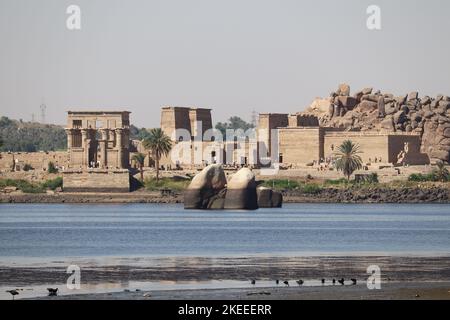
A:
(344, 90)
(381, 111)
(413, 95)
(444, 104)
(267, 198)
(367, 106)
(426, 100)
(331, 110)
(348, 102)
(370, 97)
(401, 100)
(390, 108)
(241, 191)
(388, 123)
(204, 187)
(337, 110)
(367, 91)
(400, 117)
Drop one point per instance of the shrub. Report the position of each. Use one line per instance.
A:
(23, 185)
(281, 184)
(52, 168)
(27, 167)
(336, 182)
(53, 184)
(311, 188)
(419, 177)
(372, 178)
(165, 183)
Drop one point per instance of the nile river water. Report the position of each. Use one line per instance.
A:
(67, 230)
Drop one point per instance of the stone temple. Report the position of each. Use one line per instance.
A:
(99, 151)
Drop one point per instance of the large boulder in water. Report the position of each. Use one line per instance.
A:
(205, 187)
(241, 191)
(267, 198)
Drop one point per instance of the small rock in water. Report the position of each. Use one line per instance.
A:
(146, 295)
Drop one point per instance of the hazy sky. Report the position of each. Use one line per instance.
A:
(231, 55)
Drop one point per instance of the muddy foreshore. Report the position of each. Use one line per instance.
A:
(328, 195)
(402, 277)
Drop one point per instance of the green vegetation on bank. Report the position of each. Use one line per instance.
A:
(439, 174)
(20, 136)
(32, 187)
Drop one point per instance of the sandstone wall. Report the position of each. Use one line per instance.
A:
(372, 145)
(300, 145)
(38, 160)
(96, 180)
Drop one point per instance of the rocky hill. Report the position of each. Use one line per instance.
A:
(20, 136)
(369, 110)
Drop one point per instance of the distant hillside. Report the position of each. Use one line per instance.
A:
(31, 136)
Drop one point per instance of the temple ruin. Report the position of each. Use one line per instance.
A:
(98, 143)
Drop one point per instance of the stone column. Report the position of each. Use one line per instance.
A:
(103, 146)
(119, 148)
(84, 134)
(69, 133)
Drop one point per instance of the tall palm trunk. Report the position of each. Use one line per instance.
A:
(157, 168)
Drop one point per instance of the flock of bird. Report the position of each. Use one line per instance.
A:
(301, 282)
(51, 292)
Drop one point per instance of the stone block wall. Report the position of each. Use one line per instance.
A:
(372, 145)
(38, 160)
(96, 180)
(300, 145)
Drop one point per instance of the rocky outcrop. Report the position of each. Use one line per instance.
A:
(241, 191)
(209, 190)
(267, 198)
(372, 195)
(369, 110)
(205, 187)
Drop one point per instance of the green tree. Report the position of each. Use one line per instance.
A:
(233, 123)
(1, 142)
(52, 168)
(441, 172)
(159, 143)
(140, 159)
(347, 158)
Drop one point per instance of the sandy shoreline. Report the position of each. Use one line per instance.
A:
(401, 276)
(391, 291)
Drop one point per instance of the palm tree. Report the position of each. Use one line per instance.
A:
(348, 160)
(441, 172)
(159, 143)
(140, 159)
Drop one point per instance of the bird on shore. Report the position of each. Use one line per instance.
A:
(353, 281)
(253, 281)
(300, 282)
(277, 282)
(13, 293)
(52, 291)
(323, 281)
(286, 283)
(334, 281)
(341, 281)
